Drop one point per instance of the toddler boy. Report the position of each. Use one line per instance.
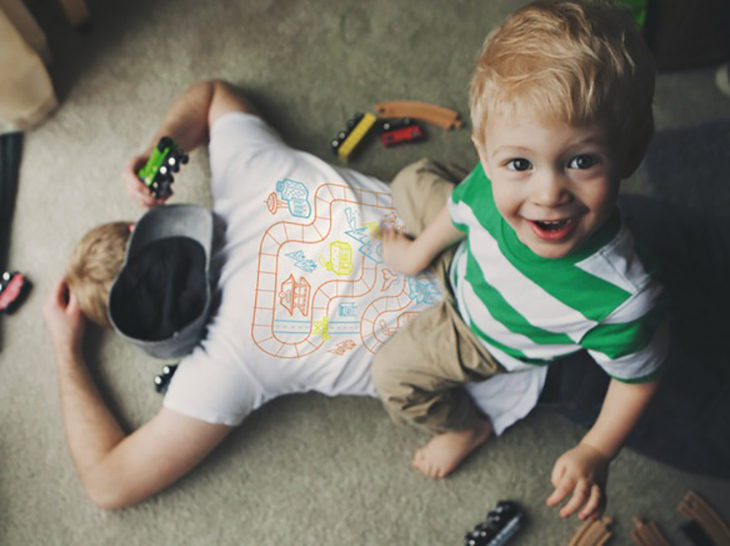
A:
(561, 106)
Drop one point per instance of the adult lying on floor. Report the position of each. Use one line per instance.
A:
(231, 371)
(312, 327)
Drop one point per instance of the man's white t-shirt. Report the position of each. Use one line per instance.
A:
(305, 298)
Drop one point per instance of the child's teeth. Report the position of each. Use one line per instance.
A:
(550, 224)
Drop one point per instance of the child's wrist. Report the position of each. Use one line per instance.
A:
(605, 452)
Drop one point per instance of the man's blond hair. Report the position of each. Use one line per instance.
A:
(574, 62)
(94, 264)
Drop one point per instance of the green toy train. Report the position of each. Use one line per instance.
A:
(157, 174)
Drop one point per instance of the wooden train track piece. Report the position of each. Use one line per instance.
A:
(426, 111)
(695, 508)
(593, 533)
(648, 533)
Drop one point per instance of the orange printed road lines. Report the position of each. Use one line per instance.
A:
(295, 314)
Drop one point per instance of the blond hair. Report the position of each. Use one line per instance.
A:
(575, 62)
(94, 264)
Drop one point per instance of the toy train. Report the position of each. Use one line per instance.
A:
(163, 379)
(501, 524)
(400, 131)
(392, 132)
(157, 174)
(356, 129)
(13, 288)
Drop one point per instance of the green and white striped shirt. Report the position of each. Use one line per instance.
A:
(529, 310)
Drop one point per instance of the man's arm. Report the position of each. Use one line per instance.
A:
(583, 470)
(188, 123)
(411, 256)
(117, 469)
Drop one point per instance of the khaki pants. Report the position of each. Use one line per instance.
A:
(420, 370)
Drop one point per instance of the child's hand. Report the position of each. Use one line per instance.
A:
(136, 190)
(396, 250)
(581, 471)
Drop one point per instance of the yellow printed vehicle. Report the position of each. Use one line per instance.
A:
(340, 261)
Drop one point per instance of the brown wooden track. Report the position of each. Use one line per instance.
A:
(425, 111)
(648, 533)
(694, 507)
(593, 533)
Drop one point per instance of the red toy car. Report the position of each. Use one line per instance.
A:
(13, 286)
(409, 133)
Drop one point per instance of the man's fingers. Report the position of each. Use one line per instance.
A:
(56, 302)
(135, 187)
(60, 294)
(73, 307)
(580, 495)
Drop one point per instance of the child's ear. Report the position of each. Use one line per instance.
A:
(482, 155)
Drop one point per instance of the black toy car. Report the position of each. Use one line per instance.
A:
(501, 524)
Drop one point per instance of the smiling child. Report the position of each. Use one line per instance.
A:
(561, 106)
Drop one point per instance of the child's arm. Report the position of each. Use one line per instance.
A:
(411, 256)
(583, 470)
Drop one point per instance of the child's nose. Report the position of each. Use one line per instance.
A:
(549, 189)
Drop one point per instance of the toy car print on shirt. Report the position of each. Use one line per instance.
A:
(321, 282)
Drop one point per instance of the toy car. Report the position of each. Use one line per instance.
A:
(13, 287)
(354, 133)
(163, 380)
(409, 133)
(501, 524)
(164, 160)
(395, 123)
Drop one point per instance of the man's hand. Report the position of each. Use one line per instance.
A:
(581, 471)
(188, 123)
(136, 190)
(398, 251)
(64, 320)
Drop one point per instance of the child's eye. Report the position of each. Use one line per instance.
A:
(518, 164)
(584, 161)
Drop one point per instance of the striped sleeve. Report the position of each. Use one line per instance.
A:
(464, 191)
(628, 347)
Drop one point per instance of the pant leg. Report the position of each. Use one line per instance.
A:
(420, 370)
(421, 189)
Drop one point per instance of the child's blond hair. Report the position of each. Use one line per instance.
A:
(574, 62)
(94, 264)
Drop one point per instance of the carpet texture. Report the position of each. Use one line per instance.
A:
(304, 469)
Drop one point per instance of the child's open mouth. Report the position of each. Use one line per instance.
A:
(552, 230)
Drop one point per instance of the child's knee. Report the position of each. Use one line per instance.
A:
(406, 179)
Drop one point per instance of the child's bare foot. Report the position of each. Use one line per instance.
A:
(443, 453)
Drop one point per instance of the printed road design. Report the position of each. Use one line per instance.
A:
(319, 286)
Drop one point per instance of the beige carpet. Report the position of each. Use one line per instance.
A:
(306, 469)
